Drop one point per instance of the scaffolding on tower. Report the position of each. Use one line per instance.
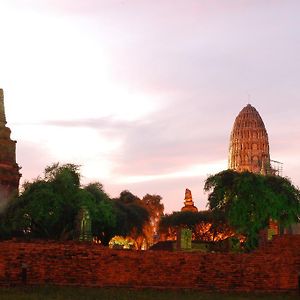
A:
(276, 167)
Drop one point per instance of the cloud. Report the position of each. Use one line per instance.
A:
(147, 90)
(32, 158)
(168, 141)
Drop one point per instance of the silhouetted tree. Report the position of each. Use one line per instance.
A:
(130, 216)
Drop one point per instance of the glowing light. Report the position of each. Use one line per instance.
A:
(120, 242)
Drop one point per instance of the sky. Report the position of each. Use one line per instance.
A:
(143, 94)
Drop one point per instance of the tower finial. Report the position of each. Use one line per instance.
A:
(249, 98)
(2, 111)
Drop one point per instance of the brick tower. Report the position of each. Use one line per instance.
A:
(249, 144)
(188, 202)
(9, 169)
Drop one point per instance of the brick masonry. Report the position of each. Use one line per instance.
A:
(9, 169)
(249, 144)
(274, 267)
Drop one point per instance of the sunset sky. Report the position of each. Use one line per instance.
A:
(143, 93)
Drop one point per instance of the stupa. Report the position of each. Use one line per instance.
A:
(188, 202)
(9, 169)
(249, 144)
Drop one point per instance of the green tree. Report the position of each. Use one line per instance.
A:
(48, 206)
(248, 201)
(101, 207)
(67, 173)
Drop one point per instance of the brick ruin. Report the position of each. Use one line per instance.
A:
(9, 169)
(188, 202)
(249, 144)
(272, 268)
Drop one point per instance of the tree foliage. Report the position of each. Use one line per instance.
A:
(138, 218)
(131, 215)
(185, 218)
(152, 203)
(248, 201)
(48, 206)
(205, 225)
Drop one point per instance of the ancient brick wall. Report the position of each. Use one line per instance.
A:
(272, 268)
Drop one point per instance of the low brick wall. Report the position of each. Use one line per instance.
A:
(275, 267)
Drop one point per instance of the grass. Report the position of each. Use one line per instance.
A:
(76, 293)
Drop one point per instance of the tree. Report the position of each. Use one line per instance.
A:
(131, 216)
(155, 208)
(127, 197)
(96, 189)
(248, 201)
(101, 208)
(66, 176)
(205, 225)
(37, 211)
(48, 206)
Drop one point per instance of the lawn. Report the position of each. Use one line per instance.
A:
(75, 293)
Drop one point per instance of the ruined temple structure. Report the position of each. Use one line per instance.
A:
(249, 144)
(9, 169)
(188, 202)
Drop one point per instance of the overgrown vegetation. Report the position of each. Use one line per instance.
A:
(249, 201)
(48, 207)
(240, 205)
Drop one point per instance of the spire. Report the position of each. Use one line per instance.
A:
(2, 111)
(249, 143)
(188, 202)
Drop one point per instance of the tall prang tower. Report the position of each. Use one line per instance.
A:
(9, 169)
(249, 144)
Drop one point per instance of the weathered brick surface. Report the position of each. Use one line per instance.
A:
(249, 144)
(272, 268)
